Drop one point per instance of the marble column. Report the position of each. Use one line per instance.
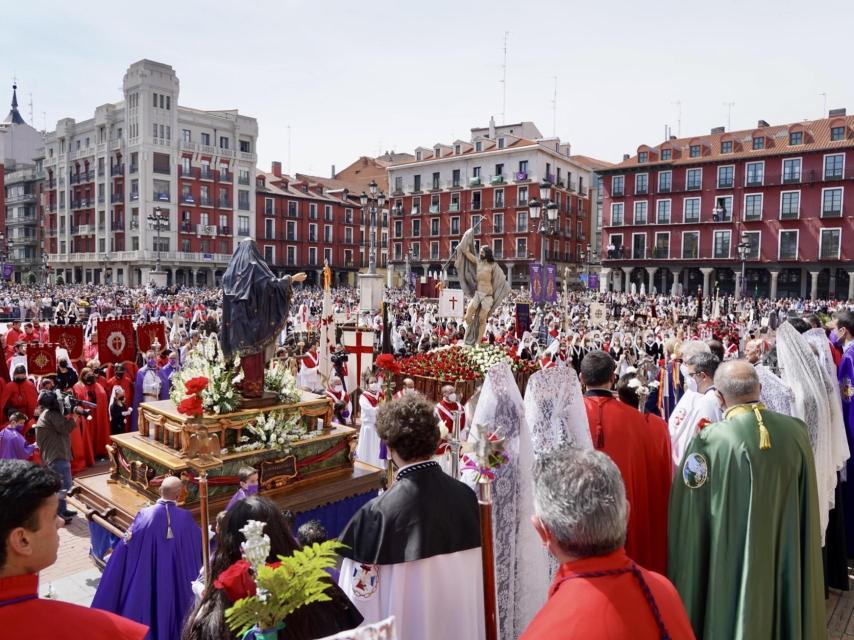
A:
(510, 266)
(814, 284)
(774, 276)
(831, 284)
(803, 293)
(707, 272)
(851, 285)
(677, 274)
(604, 279)
(389, 275)
(627, 274)
(650, 271)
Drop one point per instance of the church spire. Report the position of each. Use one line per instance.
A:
(14, 116)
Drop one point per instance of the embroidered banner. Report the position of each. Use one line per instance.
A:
(550, 283)
(69, 337)
(536, 273)
(148, 333)
(116, 340)
(523, 319)
(41, 359)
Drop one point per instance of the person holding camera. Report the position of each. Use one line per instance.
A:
(54, 432)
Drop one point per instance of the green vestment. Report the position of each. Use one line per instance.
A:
(744, 543)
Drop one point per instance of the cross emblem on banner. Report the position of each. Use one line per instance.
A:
(453, 300)
(358, 349)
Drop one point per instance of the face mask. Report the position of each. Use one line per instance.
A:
(120, 374)
(452, 397)
(337, 388)
(374, 386)
(151, 362)
(251, 489)
(20, 380)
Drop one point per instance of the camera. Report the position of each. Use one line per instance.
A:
(339, 358)
(69, 403)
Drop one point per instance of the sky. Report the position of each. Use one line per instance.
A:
(330, 81)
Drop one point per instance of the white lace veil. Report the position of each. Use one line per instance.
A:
(801, 370)
(554, 411)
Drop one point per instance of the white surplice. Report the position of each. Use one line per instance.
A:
(687, 414)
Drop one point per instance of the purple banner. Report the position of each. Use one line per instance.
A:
(594, 281)
(7, 270)
(536, 273)
(550, 283)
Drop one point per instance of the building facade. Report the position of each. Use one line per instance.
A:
(147, 181)
(775, 200)
(488, 183)
(301, 225)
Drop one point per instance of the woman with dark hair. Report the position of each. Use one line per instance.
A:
(317, 620)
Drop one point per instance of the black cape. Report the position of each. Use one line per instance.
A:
(255, 303)
(426, 513)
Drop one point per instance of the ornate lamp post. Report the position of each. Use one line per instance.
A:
(547, 222)
(156, 221)
(743, 249)
(372, 203)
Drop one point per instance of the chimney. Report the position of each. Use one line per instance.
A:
(276, 170)
(626, 156)
(836, 113)
(672, 137)
(333, 172)
(762, 124)
(717, 130)
(492, 127)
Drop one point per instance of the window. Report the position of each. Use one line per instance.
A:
(206, 139)
(434, 204)
(837, 133)
(521, 222)
(693, 179)
(312, 211)
(831, 203)
(792, 170)
(269, 234)
(434, 226)
(665, 181)
(758, 143)
(617, 214)
(223, 142)
(667, 154)
(292, 209)
(691, 210)
(662, 245)
(398, 184)
(752, 238)
(269, 254)
(476, 172)
(617, 184)
(455, 226)
(416, 228)
(497, 248)
(398, 228)
(833, 166)
(498, 198)
(638, 246)
(755, 173)
(643, 156)
(790, 205)
(185, 135)
(455, 178)
(726, 175)
(663, 212)
(327, 233)
(640, 212)
(327, 213)
(829, 244)
(796, 137)
(721, 245)
(291, 230)
(475, 200)
(694, 151)
(312, 233)
(312, 255)
(522, 197)
(753, 206)
(523, 166)
(436, 180)
(521, 247)
(641, 183)
(788, 244)
(292, 256)
(499, 170)
(243, 225)
(478, 146)
(726, 146)
(691, 245)
(497, 223)
(723, 209)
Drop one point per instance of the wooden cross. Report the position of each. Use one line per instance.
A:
(359, 349)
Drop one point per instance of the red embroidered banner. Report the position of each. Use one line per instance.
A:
(69, 337)
(116, 340)
(41, 359)
(149, 333)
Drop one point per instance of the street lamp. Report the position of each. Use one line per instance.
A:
(156, 221)
(372, 203)
(547, 221)
(743, 248)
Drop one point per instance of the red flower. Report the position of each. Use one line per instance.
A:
(191, 406)
(195, 385)
(386, 361)
(237, 581)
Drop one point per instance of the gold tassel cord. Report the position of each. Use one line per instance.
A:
(764, 436)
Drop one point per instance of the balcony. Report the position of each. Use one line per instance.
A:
(755, 181)
(224, 203)
(51, 232)
(225, 176)
(792, 179)
(641, 191)
(188, 198)
(83, 203)
(84, 230)
(205, 202)
(244, 180)
(117, 225)
(725, 184)
(474, 182)
(789, 213)
(134, 196)
(693, 186)
(21, 198)
(86, 176)
(24, 219)
(206, 174)
(617, 193)
(51, 184)
(205, 230)
(225, 231)
(133, 169)
(521, 176)
(454, 207)
(117, 170)
(832, 213)
(665, 188)
(186, 226)
(499, 179)
(434, 208)
(162, 196)
(660, 254)
(117, 198)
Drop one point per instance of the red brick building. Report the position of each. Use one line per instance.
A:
(300, 224)
(495, 175)
(677, 212)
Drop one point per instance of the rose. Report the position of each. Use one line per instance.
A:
(195, 385)
(191, 406)
(237, 581)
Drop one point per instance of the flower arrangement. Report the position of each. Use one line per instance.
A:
(206, 361)
(459, 363)
(276, 429)
(191, 405)
(263, 595)
(279, 380)
(485, 456)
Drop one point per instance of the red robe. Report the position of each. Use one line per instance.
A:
(445, 413)
(82, 449)
(23, 397)
(641, 450)
(608, 607)
(100, 422)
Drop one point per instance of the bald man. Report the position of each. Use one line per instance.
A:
(775, 394)
(149, 574)
(744, 521)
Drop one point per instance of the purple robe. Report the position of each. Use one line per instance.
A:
(148, 576)
(846, 387)
(13, 446)
(137, 397)
(239, 495)
(166, 374)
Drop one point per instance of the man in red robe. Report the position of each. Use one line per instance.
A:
(12, 337)
(599, 591)
(89, 390)
(641, 450)
(19, 395)
(445, 409)
(341, 406)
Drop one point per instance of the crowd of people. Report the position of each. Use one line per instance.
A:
(683, 460)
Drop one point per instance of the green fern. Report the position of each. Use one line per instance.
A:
(299, 580)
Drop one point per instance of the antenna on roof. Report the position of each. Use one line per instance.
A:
(729, 106)
(504, 79)
(554, 110)
(31, 108)
(824, 111)
(678, 104)
(290, 167)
